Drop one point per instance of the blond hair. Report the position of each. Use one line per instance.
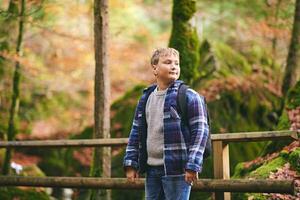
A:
(162, 52)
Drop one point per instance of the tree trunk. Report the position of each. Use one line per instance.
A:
(8, 25)
(274, 21)
(184, 38)
(292, 71)
(102, 96)
(15, 95)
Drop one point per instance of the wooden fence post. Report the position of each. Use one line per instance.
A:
(221, 166)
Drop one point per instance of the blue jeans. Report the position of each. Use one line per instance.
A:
(161, 187)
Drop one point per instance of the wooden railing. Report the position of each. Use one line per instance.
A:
(224, 137)
(203, 185)
(219, 184)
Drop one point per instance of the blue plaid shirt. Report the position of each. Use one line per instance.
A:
(183, 145)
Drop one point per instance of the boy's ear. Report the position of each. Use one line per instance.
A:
(154, 67)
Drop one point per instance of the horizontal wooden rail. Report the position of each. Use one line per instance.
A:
(225, 137)
(205, 185)
(66, 143)
(255, 136)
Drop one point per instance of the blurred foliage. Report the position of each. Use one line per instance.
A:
(8, 193)
(223, 20)
(61, 162)
(218, 40)
(122, 111)
(240, 112)
(138, 26)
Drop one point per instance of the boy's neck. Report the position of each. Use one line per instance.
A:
(162, 85)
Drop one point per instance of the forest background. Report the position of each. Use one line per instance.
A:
(238, 62)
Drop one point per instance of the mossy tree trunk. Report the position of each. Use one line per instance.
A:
(11, 132)
(292, 71)
(184, 38)
(274, 22)
(8, 25)
(292, 101)
(102, 97)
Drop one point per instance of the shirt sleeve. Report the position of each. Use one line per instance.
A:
(132, 149)
(199, 130)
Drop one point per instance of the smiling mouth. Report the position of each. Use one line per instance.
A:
(173, 73)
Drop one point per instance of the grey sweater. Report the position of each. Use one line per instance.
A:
(155, 133)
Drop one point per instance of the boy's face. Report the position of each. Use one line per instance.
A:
(167, 69)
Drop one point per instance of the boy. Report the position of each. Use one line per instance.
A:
(160, 144)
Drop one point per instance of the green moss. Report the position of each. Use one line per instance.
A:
(261, 168)
(284, 122)
(264, 170)
(238, 111)
(54, 163)
(32, 170)
(87, 133)
(207, 62)
(242, 111)
(42, 106)
(256, 196)
(284, 153)
(292, 101)
(183, 10)
(184, 38)
(58, 162)
(38, 105)
(123, 112)
(293, 97)
(294, 159)
(231, 61)
(8, 193)
(240, 171)
(246, 196)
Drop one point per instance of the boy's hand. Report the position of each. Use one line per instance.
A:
(191, 176)
(131, 174)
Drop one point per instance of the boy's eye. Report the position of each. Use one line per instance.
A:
(170, 61)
